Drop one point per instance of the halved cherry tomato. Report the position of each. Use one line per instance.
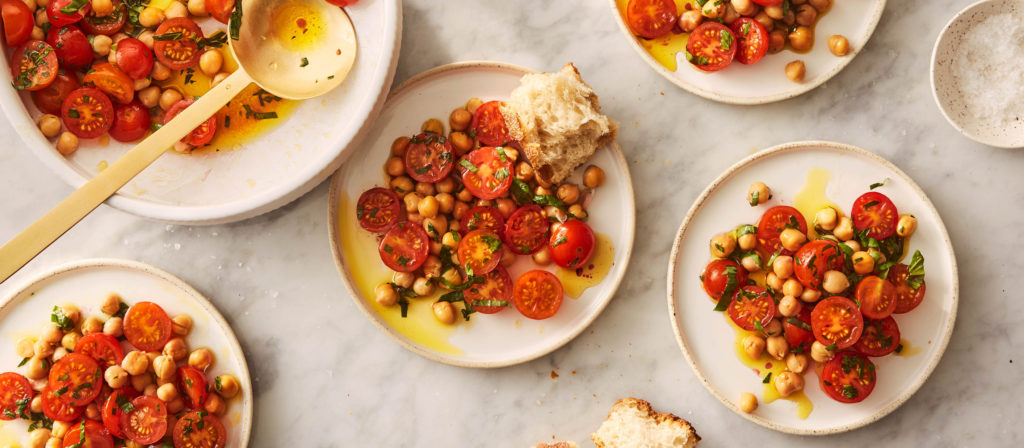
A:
(486, 172)
(62, 13)
(102, 348)
(220, 9)
(491, 296)
(880, 337)
(379, 209)
(876, 213)
(752, 305)
(50, 98)
(405, 247)
(131, 121)
(147, 423)
(147, 327)
(849, 377)
(199, 429)
(429, 157)
(134, 58)
(87, 434)
(773, 222)
(752, 40)
(814, 259)
(572, 244)
(836, 320)
(711, 47)
(112, 410)
(180, 53)
(482, 218)
(56, 409)
(17, 21)
(538, 294)
(907, 298)
(199, 136)
(526, 230)
(877, 297)
(111, 81)
(87, 112)
(480, 251)
(797, 330)
(33, 65)
(651, 18)
(71, 45)
(489, 125)
(15, 392)
(107, 25)
(715, 277)
(192, 384)
(76, 379)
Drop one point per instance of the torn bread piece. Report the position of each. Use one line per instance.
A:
(562, 444)
(632, 423)
(557, 119)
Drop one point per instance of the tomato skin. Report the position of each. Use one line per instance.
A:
(706, 50)
(877, 297)
(429, 157)
(59, 19)
(497, 286)
(772, 223)
(77, 379)
(131, 121)
(538, 294)
(907, 298)
(26, 72)
(182, 53)
(405, 247)
(111, 412)
(489, 125)
(111, 81)
(56, 409)
(482, 218)
(17, 20)
(715, 280)
(875, 212)
(95, 112)
(13, 388)
(147, 423)
(880, 337)
(72, 46)
(526, 230)
(50, 99)
(134, 58)
(107, 25)
(199, 136)
(747, 311)
(192, 384)
(815, 258)
(860, 376)
(492, 175)
(102, 348)
(477, 251)
(799, 334)
(379, 209)
(651, 19)
(189, 433)
(837, 320)
(95, 435)
(572, 244)
(220, 9)
(147, 327)
(753, 44)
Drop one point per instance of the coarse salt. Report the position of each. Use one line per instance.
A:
(990, 69)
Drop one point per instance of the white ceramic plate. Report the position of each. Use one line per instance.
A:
(766, 81)
(706, 338)
(946, 89)
(494, 340)
(269, 171)
(85, 284)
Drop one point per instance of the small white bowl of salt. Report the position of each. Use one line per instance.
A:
(978, 72)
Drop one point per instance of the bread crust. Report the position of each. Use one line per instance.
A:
(647, 412)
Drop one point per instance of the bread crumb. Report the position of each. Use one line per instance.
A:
(553, 374)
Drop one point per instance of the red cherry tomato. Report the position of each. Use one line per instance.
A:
(572, 244)
(491, 296)
(15, 392)
(104, 349)
(71, 45)
(814, 259)
(33, 66)
(107, 25)
(651, 19)
(17, 20)
(87, 112)
(134, 58)
(220, 9)
(62, 13)
(379, 209)
(55, 409)
(147, 327)
(199, 136)
(131, 121)
(482, 218)
(751, 305)
(907, 298)
(836, 320)
(876, 213)
(111, 81)
(773, 222)
(797, 330)
(711, 47)
(111, 412)
(429, 157)
(405, 247)
(147, 423)
(716, 274)
(752, 40)
(192, 384)
(877, 297)
(199, 429)
(182, 52)
(487, 172)
(76, 379)
(848, 378)
(50, 98)
(489, 125)
(538, 294)
(87, 434)
(480, 251)
(880, 337)
(526, 230)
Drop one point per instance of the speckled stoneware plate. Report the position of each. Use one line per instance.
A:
(842, 173)
(257, 175)
(766, 81)
(496, 340)
(85, 284)
(946, 88)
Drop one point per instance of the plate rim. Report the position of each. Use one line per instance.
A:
(674, 265)
(248, 400)
(339, 261)
(231, 211)
(800, 89)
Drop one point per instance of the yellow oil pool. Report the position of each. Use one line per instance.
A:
(764, 365)
(575, 281)
(812, 197)
(297, 26)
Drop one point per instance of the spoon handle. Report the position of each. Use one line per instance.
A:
(30, 242)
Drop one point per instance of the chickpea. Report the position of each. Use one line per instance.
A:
(689, 20)
(774, 11)
(168, 98)
(60, 429)
(146, 37)
(542, 257)
(38, 438)
(116, 377)
(114, 327)
(211, 60)
(777, 347)
(774, 328)
(226, 385)
(821, 353)
(578, 211)
(176, 349)
(37, 33)
(215, 405)
(197, 8)
(748, 402)
(593, 177)
(906, 225)
(730, 14)
(783, 266)
(35, 368)
(25, 348)
(473, 104)
(844, 229)
(412, 202)
(135, 363)
(810, 295)
(787, 383)
(59, 353)
(425, 189)
(459, 119)
(111, 304)
(41, 17)
(51, 333)
(164, 367)
(568, 193)
(751, 262)
(802, 38)
(461, 142)
(161, 72)
(402, 185)
(452, 276)
(524, 172)
(745, 7)
(422, 287)
(450, 239)
(852, 244)
(403, 279)
(167, 392)
(797, 362)
(37, 404)
(878, 256)
(151, 17)
(792, 287)
(173, 407)
(432, 125)
(92, 325)
(796, 71)
(826, 218)
(176, 9)
(49, 125)
(774, 282)
(792, 239)
(838, 45)
(394, 166)
(820, 5)
(722, 245)
(713, 9)
(181, 324)
(835, 282)
(747, 241)
(444, 312)
(806, 15)
(789, 306)
(863, 262)
(765, 20)
(428, 207)
(201, 358)
(542, 190)
(505, 206)
(67, 143)
(507, 258)
(776, 41)
(753, 346)
(432, 267)
(43, 349)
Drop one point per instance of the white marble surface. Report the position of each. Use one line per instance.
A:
(324, 376)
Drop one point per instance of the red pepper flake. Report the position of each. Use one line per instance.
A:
(553, 374)
(300, 22)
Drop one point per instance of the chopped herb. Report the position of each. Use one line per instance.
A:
(236, 20)
(726, 40)
(798, 323)
(501, 174)
(832, 347)
(758, 326)
(468, 165)
(850, 392)
(730, 288)
(216, 40)
(73, 113)
(249, 113)
(168, 36)
(746, 30)
(915, 276)
(899, 348)
(122, 308)
(745, 229)
(305, 62)
(73, 7)
(23, 362)
(492, 243)
(63, 322)
(870, 204)
(423, 169)
(879, 184)
(560, 241)
(767, 378)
